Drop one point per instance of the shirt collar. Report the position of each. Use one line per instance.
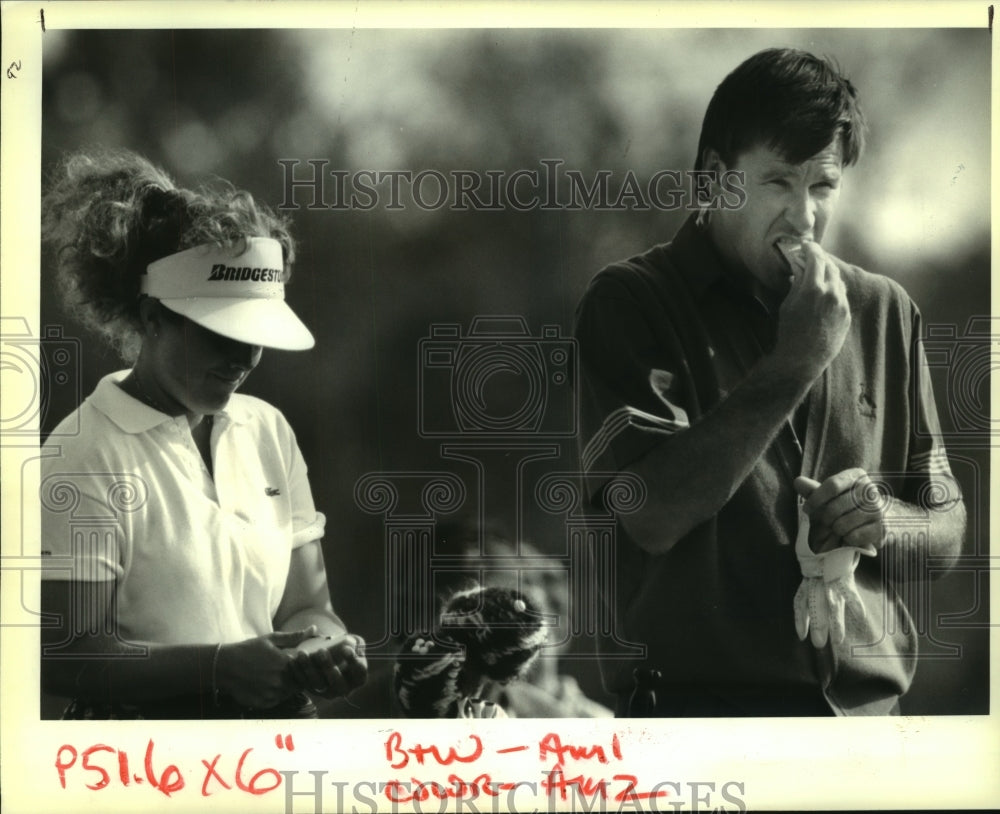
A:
(699, 262)
(703, 268)
(134, 417)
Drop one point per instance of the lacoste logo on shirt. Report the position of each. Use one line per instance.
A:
(270, 491)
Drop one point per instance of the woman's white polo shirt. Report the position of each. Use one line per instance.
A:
(197, 558)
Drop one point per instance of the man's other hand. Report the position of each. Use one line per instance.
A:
(846, 509)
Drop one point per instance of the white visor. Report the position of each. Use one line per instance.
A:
(240, 296)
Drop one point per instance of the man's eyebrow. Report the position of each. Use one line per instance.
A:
(776, 167)
(783, 168)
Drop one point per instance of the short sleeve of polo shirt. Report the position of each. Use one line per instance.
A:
(307, 523)
(82, 537)
(89, 551)
(631, 397)
(931, 484)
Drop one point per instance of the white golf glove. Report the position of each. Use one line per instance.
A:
(828, 591)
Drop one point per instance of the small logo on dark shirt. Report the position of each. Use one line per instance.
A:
(866, 404)
(270, 491)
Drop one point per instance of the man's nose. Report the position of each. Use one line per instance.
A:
(800, 212)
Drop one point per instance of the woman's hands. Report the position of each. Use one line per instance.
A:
(263, 671)
(331, 662)
(329, 666)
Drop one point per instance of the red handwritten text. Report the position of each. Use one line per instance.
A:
(100, 761)
(552, 750)
(399, 757)
(169, 781)
(557, 783)
(456, 788)
(552, 744)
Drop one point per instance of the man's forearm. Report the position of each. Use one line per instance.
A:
(691, 475)
(911, 531)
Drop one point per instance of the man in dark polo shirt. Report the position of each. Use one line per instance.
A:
(774, 401)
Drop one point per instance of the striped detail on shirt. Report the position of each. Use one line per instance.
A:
(617, 421)
(934, 461)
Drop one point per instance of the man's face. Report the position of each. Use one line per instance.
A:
(784, 200)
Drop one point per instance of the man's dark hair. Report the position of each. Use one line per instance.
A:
(786, 100)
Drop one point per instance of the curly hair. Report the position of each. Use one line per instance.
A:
(109, 215)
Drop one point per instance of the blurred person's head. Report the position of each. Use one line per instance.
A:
(486, 555)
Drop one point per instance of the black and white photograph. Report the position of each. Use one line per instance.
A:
(472, 386)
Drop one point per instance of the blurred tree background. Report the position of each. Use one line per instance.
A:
(370, 284)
